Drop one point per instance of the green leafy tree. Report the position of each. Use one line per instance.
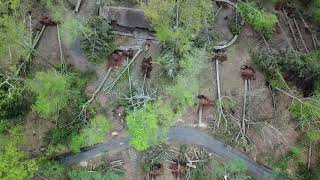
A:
(260, 20)
(187, 82)
(15, 101)
(52, 92)
(14, 163)
(14, 32)
(316, 10)
(50, 169)
(192, 17)
(98, 40)
(85, 175)
(233, 169)
(94, 133)
(149, 125)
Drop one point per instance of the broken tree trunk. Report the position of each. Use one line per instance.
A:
(219, 92)
(301, 37)
(76, 10)
(35, 43)
(108, 89)
(309, 154)
(285, 37)
(129, 78)
(243, 126)
(290, 26)
(200, 116)
(60, 49)
(99, 88)
(314, 38)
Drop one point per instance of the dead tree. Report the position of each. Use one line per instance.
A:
(219, 57)
(247, 73)
(204, 102)
(34, 45)
(290, 26)
(62, 62)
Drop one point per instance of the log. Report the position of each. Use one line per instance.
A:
(301, 37)
(122, 72)
(60, 49)
(290, 26)
(76, 10)
(99, 88)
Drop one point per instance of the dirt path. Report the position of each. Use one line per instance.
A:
(177, 135)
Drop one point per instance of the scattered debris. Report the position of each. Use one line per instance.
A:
(114, 134)
(157, 170)
(147, 67)
(119, 113)
(178, 169)
(47, 21)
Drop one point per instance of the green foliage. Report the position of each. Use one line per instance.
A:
(235, 23)
(98, 41)
(60, 137)
(85, 175)
(52, 90)
(15, 101)
(93, 133)
(14, 163)
(72, 29)
(306, 112)
(55, 8)
(187, 82)
(313, 135)
(17, 37)
(260, 20)
(57, 136)
(77, 141)
(277, 61)
(192, 16)
(50, 169)
(13, 31)
(169, 64)
(233, 169)
(149, 125)
(316, 10)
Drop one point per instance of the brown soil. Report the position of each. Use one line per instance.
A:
(36, 130)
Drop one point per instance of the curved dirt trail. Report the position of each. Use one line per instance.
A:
(178, 135)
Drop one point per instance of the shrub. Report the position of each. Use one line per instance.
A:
(316, 10)
(149, 125)
(260, 20)
(15, 101)
(50, 169)
(15, 163)
(162, 15)
(13, 30)
(234, 169)
(98, 40)
(52, 90)
(185, 90)
(84, 175)
(93, 133)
